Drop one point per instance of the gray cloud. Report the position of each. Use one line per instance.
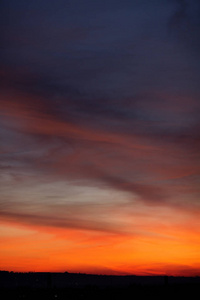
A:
(101, 93)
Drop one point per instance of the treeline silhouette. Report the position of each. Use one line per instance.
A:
(84, 286)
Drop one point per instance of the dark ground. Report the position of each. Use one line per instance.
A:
(68, 286)
(132, 292)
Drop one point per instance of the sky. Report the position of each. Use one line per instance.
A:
(100, 136)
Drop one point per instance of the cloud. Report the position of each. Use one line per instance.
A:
(68, 222)
(184, 24)
(99, 113)
(144, 155)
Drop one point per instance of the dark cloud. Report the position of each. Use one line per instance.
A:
(101, 93)
(67, 222)
(185, 25)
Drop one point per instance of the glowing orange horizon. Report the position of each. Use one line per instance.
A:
(48, 250)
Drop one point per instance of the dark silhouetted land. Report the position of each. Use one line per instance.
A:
(84, 286)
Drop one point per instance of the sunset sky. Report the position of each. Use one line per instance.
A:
(100, 136)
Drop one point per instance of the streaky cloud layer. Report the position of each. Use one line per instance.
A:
(100, 131)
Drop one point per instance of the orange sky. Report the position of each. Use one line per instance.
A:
(145, 245)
